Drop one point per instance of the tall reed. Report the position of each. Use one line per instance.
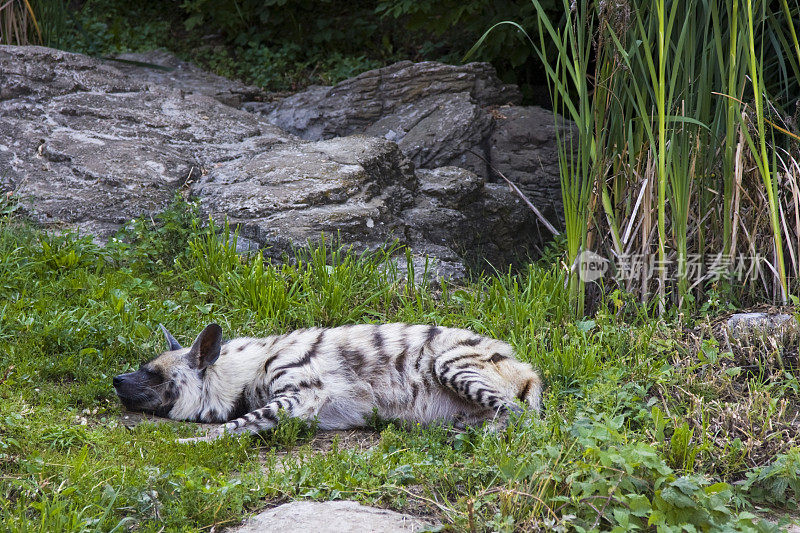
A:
(571, 98)
(18, 24)
(684, 164)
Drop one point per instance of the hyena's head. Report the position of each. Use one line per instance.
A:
(171, 384)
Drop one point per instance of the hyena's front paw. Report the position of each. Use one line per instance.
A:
(235, 428)
(212, 435)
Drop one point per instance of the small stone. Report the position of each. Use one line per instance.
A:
(743, 326)
(767, 341)
(331, 517)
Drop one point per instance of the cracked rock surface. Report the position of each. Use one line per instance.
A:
(439, 115)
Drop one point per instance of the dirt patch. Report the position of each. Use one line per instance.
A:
(351, 439)
(131, 419)
(778, 516)
(735, 394)
(322, 442)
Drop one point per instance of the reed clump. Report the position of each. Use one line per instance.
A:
(684, 172)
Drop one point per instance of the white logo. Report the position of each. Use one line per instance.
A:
(591, 266)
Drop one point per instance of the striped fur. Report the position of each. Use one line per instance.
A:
(338, 376)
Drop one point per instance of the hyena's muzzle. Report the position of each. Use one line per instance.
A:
(148, 389)
(142, 391)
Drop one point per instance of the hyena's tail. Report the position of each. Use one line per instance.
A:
(530, 389)
(521, 381)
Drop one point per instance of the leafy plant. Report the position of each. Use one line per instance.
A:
(777, 483)
(161, 241)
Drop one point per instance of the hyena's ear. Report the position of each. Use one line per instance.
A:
(205, 350)
(171, 342)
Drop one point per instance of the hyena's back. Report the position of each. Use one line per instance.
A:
(341, 376)
(410, 372)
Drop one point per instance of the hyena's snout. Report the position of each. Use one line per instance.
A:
(128, 389)
(129, 384)
(138, 392)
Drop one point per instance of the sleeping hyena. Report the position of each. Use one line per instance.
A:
(338, 376)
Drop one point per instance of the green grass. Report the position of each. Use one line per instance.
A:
(622, 441)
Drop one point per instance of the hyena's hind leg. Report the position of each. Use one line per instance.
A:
(494, 382)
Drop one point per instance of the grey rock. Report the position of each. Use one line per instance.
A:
(523, 147)
(331, 517)
(244, 246)
(349, 187)
(357, 103)
(439, 115)
(438, 131)
(449, 187)
(81, 143)
(482, 222)
(747, 326)
(178, 74)
(429, 268)
(37, 72)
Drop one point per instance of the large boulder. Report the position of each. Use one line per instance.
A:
(439, 115)
(83, 144)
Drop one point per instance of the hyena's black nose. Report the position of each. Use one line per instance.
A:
(117, 381)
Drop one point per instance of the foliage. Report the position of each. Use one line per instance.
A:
(779, 481)
(454, 27)
(53, 21)
(617, 446)
(310, 33)
(158, 243)
(107, 27)
(280, 45)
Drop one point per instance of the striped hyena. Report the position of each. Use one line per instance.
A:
(338, 376)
